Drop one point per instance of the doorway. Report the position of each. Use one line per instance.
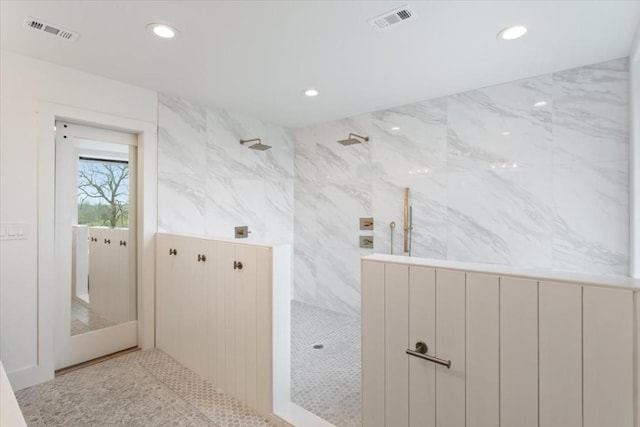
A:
(95, 242)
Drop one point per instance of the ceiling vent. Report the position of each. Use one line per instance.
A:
(392, 17)
(42, 26)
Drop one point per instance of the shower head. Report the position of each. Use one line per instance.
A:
(354, 139)
(257, 146)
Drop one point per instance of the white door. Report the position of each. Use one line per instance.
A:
(94, 167)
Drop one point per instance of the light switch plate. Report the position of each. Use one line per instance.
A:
(13, 231)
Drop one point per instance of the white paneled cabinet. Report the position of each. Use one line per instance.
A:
(608, 320)
(560, 355)
(518, 352)
(483, 350)
(111, 294)
(214, 313)
(523, 351)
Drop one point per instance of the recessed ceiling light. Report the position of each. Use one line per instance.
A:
(513, 33)
(162, 30)
(505, 133)
(395, 128)
(540, 104)
(311, 92)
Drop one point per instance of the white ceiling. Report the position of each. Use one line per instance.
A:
(257, 57)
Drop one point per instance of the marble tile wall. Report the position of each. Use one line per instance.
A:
(208, 183)
(494, 176)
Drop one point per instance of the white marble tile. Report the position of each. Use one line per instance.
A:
(420, 145)
(236, 202)
(336, 163)
(500, 217)
(591, 230)
(591, 113)
(427, 197)
(225, 155)
(181, 136)
(305, 156)
(339, 209)
(501, 125)
(338, 286)
(305, 243)
(181, 203)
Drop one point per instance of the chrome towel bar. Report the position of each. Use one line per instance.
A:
(421, 350)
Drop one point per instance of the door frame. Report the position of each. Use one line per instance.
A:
(147, 163)
(72, 349)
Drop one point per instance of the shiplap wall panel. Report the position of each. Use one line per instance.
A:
(422, 327)
(450, 345)
(483, 350)
(518, 352)
(216, 320)
(249, 289)
(396, 331)
(264, 321)
(608, 351)
(212, 339)
(560, 364)
(242, 277)
(373, 344)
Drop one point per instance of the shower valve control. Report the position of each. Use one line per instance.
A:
(242, 232)
(237, 265)
(366, 223)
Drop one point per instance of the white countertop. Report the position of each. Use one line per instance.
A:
(10, 414)
(503, 270)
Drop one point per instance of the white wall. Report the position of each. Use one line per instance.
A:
(24, 84)
(635, 157)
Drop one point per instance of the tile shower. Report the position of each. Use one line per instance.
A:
(531, 173)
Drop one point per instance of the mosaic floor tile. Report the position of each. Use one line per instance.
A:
(143, 388)
(326, 381)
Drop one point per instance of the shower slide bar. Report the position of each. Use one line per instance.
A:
(421, 349)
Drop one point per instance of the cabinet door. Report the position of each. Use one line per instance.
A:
(422, 327)
(226, 315)
(560, 341)
(165, 304)
(518, 352)
(196, 305)
(608, 357)
(245, 321)
(396, 342)
(450, 345)
(211, 283)
(264, 339)
(483, 344)
(373, 367)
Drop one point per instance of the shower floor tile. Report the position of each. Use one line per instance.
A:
(142, 388)
(326, 381)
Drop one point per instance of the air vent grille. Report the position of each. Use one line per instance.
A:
(392, 17)
(39, 25)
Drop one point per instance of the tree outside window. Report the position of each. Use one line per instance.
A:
(103, 193)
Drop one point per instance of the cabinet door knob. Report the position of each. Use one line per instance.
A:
(201, 258)
(237, 265)
(107, 241)
(123, 243)
(173, 251)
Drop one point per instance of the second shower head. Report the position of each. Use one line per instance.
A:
(354, 139)
(258, 144)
